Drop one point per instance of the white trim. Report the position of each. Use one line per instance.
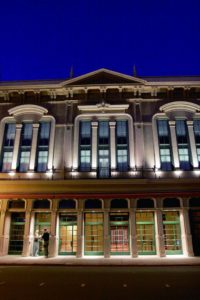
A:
(180, 106)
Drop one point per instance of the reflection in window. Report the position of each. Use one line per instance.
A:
(94, 237)
(8, 145)
(119, 233)
(183, 145)
(164, 145)
(25, 147)
(197, 137)
(145, 229)
(172, 232)
(43, 147)
(103, 150)
(85, 146)
(122, 145)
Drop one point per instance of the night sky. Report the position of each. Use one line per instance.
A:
(42, 39)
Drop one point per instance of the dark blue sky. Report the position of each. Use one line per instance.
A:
(42, 39)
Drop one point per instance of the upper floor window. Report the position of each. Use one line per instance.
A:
(96, 146)
(164, 145)
(43, 147)
(183, 145)
(8, 146)
(25, 147)
(197, 138)
(85, 146)
(122, 145)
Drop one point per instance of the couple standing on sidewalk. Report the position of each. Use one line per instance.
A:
(36, 243)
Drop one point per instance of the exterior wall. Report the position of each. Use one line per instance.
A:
(90, 97)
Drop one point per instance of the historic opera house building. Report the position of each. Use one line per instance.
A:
(108, 163)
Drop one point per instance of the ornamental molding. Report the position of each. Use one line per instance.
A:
(180, 106)
(27, 112)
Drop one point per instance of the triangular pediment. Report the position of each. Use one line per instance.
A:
(104, 77)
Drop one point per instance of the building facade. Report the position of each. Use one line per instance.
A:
(108, 163)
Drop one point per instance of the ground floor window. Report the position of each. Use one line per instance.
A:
(94, 237)
(145, 229)
(67, 234)
(119, 233)
(42, 221)
(16, 233)
(172, 232)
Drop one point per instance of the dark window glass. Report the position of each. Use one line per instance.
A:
(93, 203)
(171, 202)
(145, 203)
(41, 204)
(67, 203)
(119, 203)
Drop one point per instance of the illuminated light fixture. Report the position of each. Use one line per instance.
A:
(30, 173)
(12, 173)
(178, 172)
(133, 172)
(196, 172)
(114, 173)
(93, 173)
(49, 172)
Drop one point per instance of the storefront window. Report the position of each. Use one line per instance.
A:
(67, 234)
(119, 233)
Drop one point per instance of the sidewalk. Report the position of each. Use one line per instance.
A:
(12, 260)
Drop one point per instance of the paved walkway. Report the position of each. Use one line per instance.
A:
(94, 261)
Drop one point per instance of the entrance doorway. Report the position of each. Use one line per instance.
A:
(42, 221)
(68, 234)
(16, 233)
(195, 230)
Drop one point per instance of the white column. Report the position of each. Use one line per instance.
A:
(133, 233)
(159, 233)
(53, 238)
(79, 253)
(156, 144)
(195, 162)
(186, 233)
(27, 242)
(68, 146)
(106, 235)
(16, 146)
(174, 144)
(94, 144)
(34, 146)
(2, 225)
(112, 144)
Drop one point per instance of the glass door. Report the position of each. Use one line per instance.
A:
(42, 221)
(67, 234)
(172, 232)
(16, 233)
(119, 234)
(94, 234)
(195, 230)
(145, 228)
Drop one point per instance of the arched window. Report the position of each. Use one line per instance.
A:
(67, 204)
(43, 203)
(194, 202)
(119, 203)
(93, 203)
(145, 203)
(16, 204)
(171, 202)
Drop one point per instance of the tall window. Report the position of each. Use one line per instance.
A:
(197, 137)
(183, 145)
(85, 146)
(103, 150)
(8, 145)
(43, 147)
(122, 145)
(25, 147)
(164, 145)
